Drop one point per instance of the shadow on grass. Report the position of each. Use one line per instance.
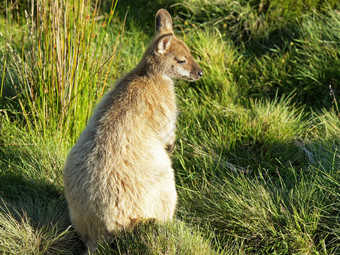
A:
(35, 215)
(139, 13)
(33, 210)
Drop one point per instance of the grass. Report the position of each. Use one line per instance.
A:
(170, 238)
(267, 215)
(60, 63)
(257, 157)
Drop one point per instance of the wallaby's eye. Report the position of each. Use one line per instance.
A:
(181, 61)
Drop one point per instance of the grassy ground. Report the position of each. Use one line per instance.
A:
(257, 157)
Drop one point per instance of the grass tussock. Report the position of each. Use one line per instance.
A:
(257, 157)
(263, 134)
(36, 227)
(169, 238)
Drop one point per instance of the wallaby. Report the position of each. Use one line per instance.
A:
(119, 172)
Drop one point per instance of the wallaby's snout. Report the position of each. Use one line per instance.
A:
(198, 72)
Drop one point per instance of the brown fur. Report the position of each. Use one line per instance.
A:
(119, 172)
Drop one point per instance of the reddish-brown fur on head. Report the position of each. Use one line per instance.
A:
(167, 55)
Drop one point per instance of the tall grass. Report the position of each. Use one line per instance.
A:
(65, 61)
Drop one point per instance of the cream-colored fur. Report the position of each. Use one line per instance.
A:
(119, 171)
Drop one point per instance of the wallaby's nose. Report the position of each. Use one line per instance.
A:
(200, 73)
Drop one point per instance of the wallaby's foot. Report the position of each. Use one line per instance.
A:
(90, 251)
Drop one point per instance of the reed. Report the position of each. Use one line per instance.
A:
(65, 64)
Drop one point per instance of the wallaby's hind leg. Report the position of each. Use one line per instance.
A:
(88, 230)
(91, 242)
(172, 201)
(168, 202)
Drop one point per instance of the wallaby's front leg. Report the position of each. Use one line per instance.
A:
(170, 147)
(170, 144)
(169, 136)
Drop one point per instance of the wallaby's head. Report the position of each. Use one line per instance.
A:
(170, 56)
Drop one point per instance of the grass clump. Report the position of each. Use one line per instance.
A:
(33, 211)
(304, 65)
(262, 134)
(318, 59)
(329, 123)
(169, 238)
(35, 227)
(216, 57)
(28, 162)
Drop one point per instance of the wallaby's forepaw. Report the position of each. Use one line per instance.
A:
(170, 148)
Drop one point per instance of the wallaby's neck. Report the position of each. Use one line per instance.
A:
(150, 66)
(148, 69)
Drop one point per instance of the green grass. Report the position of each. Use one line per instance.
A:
(285, 214)
(59, 65)
(171, 238)
(257, 158)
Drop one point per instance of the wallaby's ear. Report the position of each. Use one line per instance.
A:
(163, 22)
(164, 43)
